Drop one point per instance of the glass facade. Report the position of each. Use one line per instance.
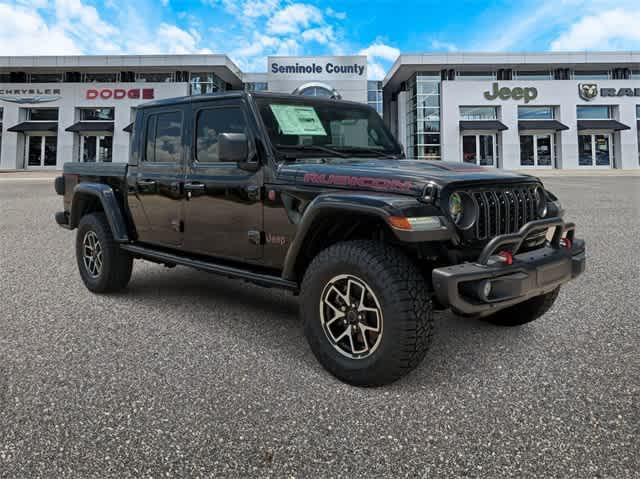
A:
(594, 112)
(256, 86)
(166, 77)
(45, 78)
(536, 113)
(478, 113)
(592, 75)
(423, 116)
(96, 114)
(42, 114)
(202, 83)
(479, 75)
(107, 77)
(533, 75)
(374, 95)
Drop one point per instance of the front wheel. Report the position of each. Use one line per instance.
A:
(524, 312)
(104, 266)
(367, 312)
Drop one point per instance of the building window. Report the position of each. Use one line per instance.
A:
(478, 112)
(205, 82)
(635, 75)
(594, 112)
(374, 95)
(423, 116)
(536, 113)
(45, 78)
(592, 75)
(96, 114)
(42, 114)
(96, 148)
(480, 75)
(256, 86)
(533, 75)
(165, 77)
(480, 149)
(100, 77)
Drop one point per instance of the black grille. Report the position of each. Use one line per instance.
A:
(503, 210)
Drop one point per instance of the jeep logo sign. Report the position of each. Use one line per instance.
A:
(516, 93)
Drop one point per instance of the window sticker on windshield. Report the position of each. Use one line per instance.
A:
(298, 120)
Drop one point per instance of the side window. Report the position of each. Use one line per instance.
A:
(209, 124)
(164, 137)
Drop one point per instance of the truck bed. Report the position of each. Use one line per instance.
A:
(118, 170)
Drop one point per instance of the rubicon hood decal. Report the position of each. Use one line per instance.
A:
(383, 184)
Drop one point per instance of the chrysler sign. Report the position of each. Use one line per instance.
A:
(120, 93)
(29, 95)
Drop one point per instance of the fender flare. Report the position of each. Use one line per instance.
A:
(106, 196)
(380, 206)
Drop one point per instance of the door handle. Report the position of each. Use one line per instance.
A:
(253, 192)
(146, 182)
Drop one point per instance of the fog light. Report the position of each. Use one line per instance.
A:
(483, 290)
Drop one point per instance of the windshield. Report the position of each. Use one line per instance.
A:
(311, 128)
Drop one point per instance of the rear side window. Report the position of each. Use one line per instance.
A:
(164, 132)
(209, 124)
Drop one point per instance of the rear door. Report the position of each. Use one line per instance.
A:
(223, 207)
(160, 175)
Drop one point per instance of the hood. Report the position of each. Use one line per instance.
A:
(397, 176)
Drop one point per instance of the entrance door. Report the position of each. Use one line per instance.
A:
(480, 149)
(41, 151)
(96, 148)
(595, 150)
(537, 150)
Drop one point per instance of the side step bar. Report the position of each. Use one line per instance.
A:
(224, 270)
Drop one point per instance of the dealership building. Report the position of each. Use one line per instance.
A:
(508, 110)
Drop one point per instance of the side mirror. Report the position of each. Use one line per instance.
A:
(233, 147)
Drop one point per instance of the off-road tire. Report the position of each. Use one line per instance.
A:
(116, 263)
(525, 312)
(404, 300)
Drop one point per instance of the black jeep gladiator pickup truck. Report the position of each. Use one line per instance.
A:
(315, 196)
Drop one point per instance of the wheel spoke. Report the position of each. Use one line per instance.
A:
(363, 333)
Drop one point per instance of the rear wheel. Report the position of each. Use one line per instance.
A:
(366, 311)
(104, 267)
(526, 311)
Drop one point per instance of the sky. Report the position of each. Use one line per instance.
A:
(250, 30)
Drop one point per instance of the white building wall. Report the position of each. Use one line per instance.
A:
(563, 94)
(74, 96)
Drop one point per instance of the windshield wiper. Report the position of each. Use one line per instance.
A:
(312, 148)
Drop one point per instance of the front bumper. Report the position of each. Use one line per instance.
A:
(531, 274)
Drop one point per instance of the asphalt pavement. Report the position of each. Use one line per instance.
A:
(187, 374)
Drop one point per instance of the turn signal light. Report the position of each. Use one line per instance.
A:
(418, 223)
(566, 243)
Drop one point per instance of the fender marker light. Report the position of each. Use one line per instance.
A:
(420, 223)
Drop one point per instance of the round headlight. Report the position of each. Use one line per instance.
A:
(462, 210)
(456, 210)
(541, 202)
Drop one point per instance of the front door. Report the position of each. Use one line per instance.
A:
(96, 148)
(41, 151)
(223, 207)
(480, 149)
(595, 150)
(159, 177)
(537, 150)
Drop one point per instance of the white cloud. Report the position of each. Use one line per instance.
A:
(165, 3)
(380, 50)
(375, 52)
(612, 29)
(443, 46)
(260, 8)
(24, 32)
(332, 13)
(322, 35)
(293, 18)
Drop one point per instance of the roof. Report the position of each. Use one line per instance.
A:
(408, 63)
(219, 64)
(488, 125)
(91, 126)
(602, 125)
(35, 126)
(541, 125)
